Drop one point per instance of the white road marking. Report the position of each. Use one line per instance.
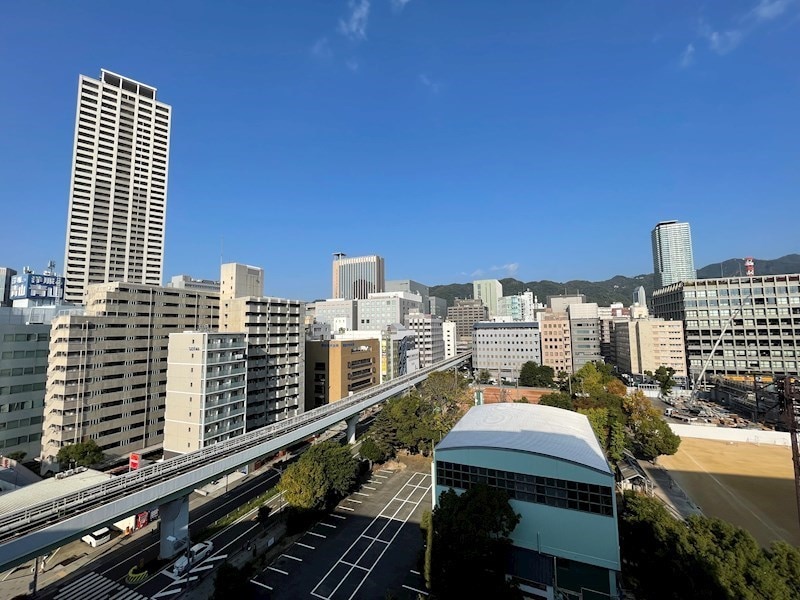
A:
(278, 571)
(366, 487)
(352, 500)
(385, 471)
(415, 572)
(305, 545)
(328, 525)
(362, 494)
(408, 587)
(335, 516)
(264, 585)
(346, 508)
(319, 535)
(292, 557)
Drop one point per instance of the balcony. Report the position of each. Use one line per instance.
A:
(216, 373)
(221, 415)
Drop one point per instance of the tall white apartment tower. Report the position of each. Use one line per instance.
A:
(672, 253)
(118, 189)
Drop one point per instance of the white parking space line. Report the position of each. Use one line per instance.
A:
(264, 585)
(381, 476)
(415, 572)
(319, 535)
(385, 471)
(305, 545)
(408, 587)
(362, 494)
(292, 557)
(352, 500)
(335, 516)
(278, 571)
(346, 508)
(352, 565)
(328, 525)
(366, 487)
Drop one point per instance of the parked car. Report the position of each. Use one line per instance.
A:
(194, 555)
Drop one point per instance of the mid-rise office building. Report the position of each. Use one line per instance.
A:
(561, 302)
(118, 188)
(449, 335)
(107, 370)
(672, 253)
(502, 348)
(430, 337)
(398, 352)
(357, 276)
(337, 368)
(648, 343)
(760, 317)
(489, 291)
(341, 315)
(550, 464)
(187, 282)
(556, 341)
(275, 334)
(412, 287)
(206, 390)
(520, 307)
(437, 306)
(24, 346)
(584, 331)
(465, 313)
(608, 316)
(386, 308)
(6, 273)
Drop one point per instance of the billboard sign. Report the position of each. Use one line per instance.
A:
(30, 285)
(133, 462)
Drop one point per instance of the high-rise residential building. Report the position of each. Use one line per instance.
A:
(584, 331)
(24, 346)
(556, 341)
(412, 287)
(187, 282)
(337, 368)
(502, 348)
(465, 313)
(489, 291)
(648, 343)
(640, 296)
(107, 370)
(357, 276)
(206, 390)
(430, 337)
(6, 273)
(118, 188)
(672, 253)
(275, 334)
(760, 317)
(386, 308)
(437, 306)
(449, 334)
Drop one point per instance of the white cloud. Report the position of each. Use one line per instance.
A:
(687, 57)
(510, 268)
(476, 273)
(352, 64)
(399, 5)
(766, 10)
(724, 41)
(429, 83)
(322, 49)
(354, 26)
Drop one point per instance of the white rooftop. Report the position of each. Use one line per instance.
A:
(48, 489)
(543, 430)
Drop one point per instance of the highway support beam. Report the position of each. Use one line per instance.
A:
(174, 527)
(351, 428)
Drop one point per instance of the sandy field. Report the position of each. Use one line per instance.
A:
(749, 485)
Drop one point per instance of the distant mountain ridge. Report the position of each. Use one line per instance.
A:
(619, 288)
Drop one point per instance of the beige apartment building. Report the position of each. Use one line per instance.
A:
(206, 390)
(274, 330)
(556, 341)
(107, 369)
(335, 368)
(646, 344)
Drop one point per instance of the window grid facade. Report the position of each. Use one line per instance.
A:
(558, 493)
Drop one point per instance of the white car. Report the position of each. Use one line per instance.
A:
(194, 555)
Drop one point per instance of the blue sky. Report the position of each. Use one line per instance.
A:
(541, 140)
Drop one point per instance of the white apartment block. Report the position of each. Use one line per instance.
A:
(646, 344)
(673, 259)
(382, 309)
(339, 314)
(206, 390)
(489, 291)
(118, 188)
(450, 339)
(430, 338)
(107, 370)
(502, 348)
(275, 334)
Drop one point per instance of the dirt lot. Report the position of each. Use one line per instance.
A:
(746, 484)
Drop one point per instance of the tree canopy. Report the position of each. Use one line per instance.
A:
(321, 476)
(82, 454)
(533, 374)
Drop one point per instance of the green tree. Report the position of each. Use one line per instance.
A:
(18, 456)
(558, 400)
(470, 544)
(484, 376)
(82, 454)
(663, 376)
(562, 381)
(522, 400)
(654, 437)
(534, 375)
(304, 485)
(371, 451)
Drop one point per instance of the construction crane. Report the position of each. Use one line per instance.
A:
(789, 395)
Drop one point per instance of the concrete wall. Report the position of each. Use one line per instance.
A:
(729, 434)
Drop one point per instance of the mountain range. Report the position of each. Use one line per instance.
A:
(619, 288)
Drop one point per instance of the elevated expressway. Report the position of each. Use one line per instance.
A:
(37, 529)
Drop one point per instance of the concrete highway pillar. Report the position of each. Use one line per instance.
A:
(351, 428)
(174, 527)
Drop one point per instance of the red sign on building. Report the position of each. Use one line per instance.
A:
(133, 463)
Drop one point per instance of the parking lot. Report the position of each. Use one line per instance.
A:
(369, 545)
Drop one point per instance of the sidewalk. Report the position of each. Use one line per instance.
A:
(668, 490)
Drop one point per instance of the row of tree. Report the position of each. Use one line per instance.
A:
(322, 476)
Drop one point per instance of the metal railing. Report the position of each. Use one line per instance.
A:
(37, 516)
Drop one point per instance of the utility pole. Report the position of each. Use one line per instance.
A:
(789, 394)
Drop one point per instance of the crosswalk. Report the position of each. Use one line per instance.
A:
(96, 587)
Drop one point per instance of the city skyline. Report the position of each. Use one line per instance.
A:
(625, 125)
